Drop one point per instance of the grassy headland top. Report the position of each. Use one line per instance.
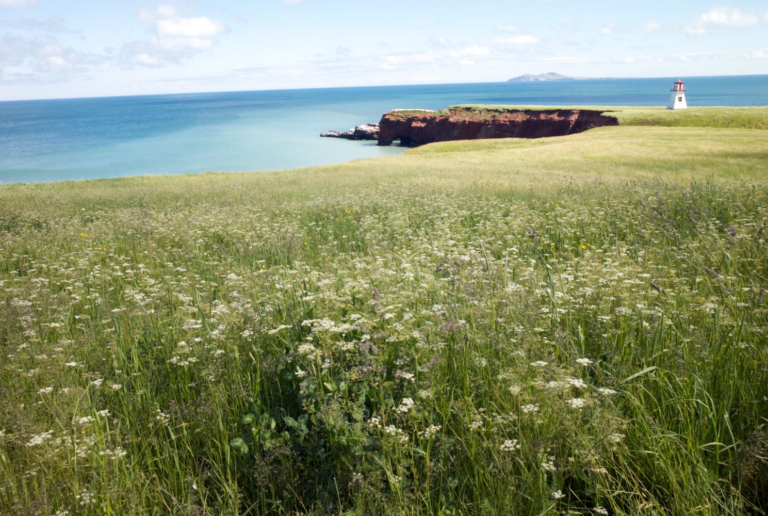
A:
(754, 117)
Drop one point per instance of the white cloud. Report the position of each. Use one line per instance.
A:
(722, 16)
(695, 57)
(43, 59)
(189, 27)
(472, 50)
(146, 59)
(176, 38)
(161, 12)
(507, 28)
(728, 16)
(652, 26)
(435, 57)
(183, 43)
(525, 39)
(11, 3)
(294, 2)
(608, 29)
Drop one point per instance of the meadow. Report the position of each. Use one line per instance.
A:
(571, 325)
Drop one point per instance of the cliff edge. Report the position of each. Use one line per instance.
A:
(466, 123)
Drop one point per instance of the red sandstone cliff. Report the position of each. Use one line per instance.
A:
(418, 128)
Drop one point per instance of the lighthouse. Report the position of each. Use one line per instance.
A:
(677, 100)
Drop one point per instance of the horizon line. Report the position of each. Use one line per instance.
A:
(361, 87)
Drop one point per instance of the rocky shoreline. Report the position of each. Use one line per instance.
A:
(419, 127)
(361, 132)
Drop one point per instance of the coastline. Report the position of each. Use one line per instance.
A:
(713, 117)
(67, 139)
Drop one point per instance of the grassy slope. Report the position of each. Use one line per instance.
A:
(610, 153)
(113, 275)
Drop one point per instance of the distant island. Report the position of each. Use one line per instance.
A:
(551, 76)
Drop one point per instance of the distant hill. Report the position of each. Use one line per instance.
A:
(551, 76)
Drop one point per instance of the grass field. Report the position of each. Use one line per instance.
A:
(572, 325)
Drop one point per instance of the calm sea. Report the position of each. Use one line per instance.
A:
(54, 140)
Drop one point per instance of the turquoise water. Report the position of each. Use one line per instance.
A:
(54, 140)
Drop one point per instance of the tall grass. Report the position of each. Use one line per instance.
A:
(447, 332)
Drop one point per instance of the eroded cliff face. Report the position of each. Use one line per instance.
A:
(418, 128)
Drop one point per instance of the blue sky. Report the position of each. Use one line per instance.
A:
(73, 48)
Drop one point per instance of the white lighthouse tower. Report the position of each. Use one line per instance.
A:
(677, 100)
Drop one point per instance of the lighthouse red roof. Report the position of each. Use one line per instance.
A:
(678, 86)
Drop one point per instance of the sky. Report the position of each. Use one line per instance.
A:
(74, 48)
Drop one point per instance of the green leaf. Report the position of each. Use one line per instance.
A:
(640, 373)
(248, 419)
(239, 445)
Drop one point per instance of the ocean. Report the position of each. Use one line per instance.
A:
(57, 140)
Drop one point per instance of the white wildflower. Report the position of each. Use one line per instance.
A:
(37, 440)
(576, 403)
(576, 382)
(163, 418)
(430, 432)
(534, 407)
(404, 376)
(584, 361)
(85, 498)
(306, 349)
(509, 445)
(405, 405)
(616, 438)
